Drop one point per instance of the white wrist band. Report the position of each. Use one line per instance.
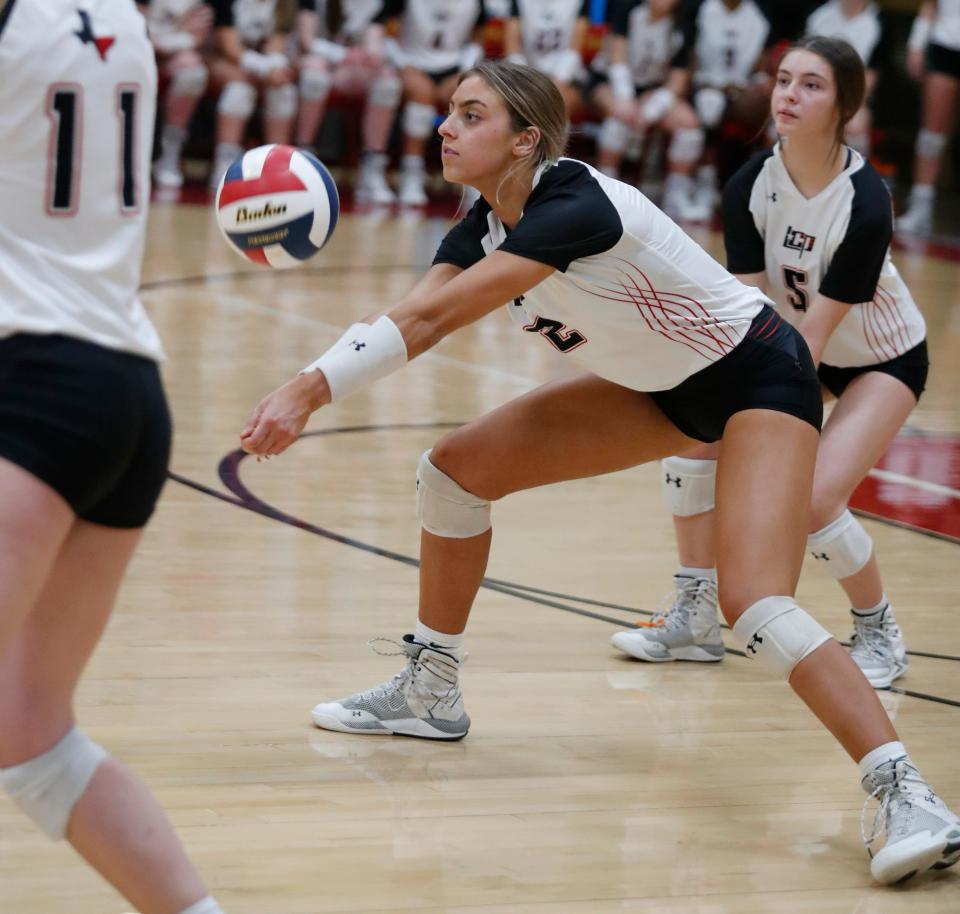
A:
(254, 62)
(329, 51)
(658, 104)
(364, 354)
(621, 81)
(919, 34)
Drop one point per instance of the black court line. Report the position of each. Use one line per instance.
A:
(242, 497)
(243, 275)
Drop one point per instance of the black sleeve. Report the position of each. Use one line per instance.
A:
(307, 6)
(514, 9)
(681, 60)
(389, 9)
(584, 10)
(741, 239)
(567, 217)
(222, 13)
(689, 22)
(880, 53)
(482, 17)
(620, 16)
(855, 267)
(462, 245)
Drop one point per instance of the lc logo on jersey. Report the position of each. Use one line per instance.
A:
(796, 240)
(102, 43)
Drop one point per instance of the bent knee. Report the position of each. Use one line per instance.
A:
(458, 455)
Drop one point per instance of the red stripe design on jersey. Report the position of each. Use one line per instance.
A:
(896, 315)
(880, 324)
(677, 322)
(275, 177)
(870, 332)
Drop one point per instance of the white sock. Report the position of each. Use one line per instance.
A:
(922, 192)
(882, 605)
(204, 906)
(684, 572)
(888, 752)
(430, 637)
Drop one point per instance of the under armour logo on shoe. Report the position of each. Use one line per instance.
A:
(673, 480)
(821, 556)
(357, 345)
(754, 641)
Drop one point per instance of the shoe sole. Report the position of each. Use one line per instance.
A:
(886, 681)
(407, 727)
(629, 645)
(914, 855)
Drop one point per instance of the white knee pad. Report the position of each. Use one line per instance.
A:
(189, 82)
(237, 99)
(688, 486)
(779, 634)
(418, 119)
(47, 787)
(280, 102)
(445, 508)
(929, 144)
(315, 83)
(613, 135)
(686, 146)
(843, 547)
(385, 91)
(710, 103)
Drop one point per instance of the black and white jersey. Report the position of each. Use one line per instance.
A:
(546, 27)
(864, 31)
(946, 25)
(358, 16)
(254, 20)
(77, 102)
(653, 47)
(836, 244)
(633, 298)
(433, 33)
(727, 43)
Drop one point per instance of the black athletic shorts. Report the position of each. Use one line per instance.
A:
(771, 368)
(441, 75)
(911, 368)
(943, 60)
(92, 423)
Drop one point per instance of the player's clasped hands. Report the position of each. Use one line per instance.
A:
(280, 417)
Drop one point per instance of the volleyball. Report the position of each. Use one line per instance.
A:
(277, 205)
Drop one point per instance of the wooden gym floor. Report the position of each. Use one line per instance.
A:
(589, 784)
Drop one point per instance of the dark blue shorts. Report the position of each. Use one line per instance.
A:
(92, 423)
(911, 368)
(771, 368)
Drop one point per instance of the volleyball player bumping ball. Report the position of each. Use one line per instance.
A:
(675, 351)
(84, 427)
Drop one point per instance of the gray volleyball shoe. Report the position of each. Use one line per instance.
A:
(877, 647)
(423, 700)
(921, 832)
(688, 630)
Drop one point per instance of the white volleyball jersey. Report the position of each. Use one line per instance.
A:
(836, 243)
(254, 20)
(163, 17)
(546, 27)
(863, 31)
(946, 25)
(78, 85)
(633, 298)
(653, 47)
(727, 43)
(433, 33)
(358, 15)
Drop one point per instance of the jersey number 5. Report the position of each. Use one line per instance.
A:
(563, 339)
(65, 111)
(796, 281)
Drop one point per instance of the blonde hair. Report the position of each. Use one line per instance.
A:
(532, 100)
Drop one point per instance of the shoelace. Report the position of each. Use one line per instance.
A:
(871, 639)
(894, 793)
(678, 604)
(394, 684)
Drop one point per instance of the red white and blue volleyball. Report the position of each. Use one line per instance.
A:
(277, 205)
